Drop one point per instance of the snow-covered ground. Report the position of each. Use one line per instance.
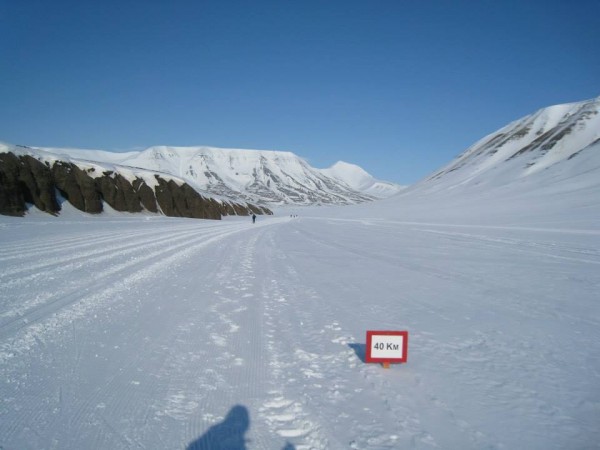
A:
(145, 332)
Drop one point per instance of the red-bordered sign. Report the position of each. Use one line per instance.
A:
(386, 347)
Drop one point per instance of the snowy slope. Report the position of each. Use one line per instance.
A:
(540, 169)
(358, 179)
(270, 177)
(525, 148)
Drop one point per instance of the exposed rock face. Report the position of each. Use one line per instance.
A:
(183, 201)
(25, 180)
(77, 187)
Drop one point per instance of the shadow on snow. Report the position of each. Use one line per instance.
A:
(228, 434)
(360, 350)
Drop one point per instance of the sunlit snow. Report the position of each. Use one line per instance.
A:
(152, 332)
(139, 331)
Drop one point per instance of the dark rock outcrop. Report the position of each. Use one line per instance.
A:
(77, 187)
(25, 180)
(118, 192)
(145, 194)
(183, 201)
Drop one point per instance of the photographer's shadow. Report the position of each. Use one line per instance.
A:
(228, 434)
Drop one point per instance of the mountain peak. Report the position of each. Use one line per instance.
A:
(550, 138)
(359, 179)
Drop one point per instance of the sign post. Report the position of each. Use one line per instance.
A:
(386, 347)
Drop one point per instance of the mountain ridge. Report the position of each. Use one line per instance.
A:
(34, 177)
(522, 148)
(555, 148)
(542, 169)
(266, 177)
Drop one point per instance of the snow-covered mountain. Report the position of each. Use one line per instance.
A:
(271, 177)
(359, 180)
(554, 139)
(30, 176)
(542, 168)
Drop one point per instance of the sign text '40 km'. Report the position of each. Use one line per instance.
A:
(387, 347)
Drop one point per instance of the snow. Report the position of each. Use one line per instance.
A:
(527, 146)
(353, 175)
(262, 176)
(125, 331)
(360, 180)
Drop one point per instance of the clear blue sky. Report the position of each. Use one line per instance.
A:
(397, 87)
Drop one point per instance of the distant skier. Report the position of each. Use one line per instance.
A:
(253, 218)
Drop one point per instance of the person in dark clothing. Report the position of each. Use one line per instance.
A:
(253, 218)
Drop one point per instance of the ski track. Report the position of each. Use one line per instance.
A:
(487, 349)
(325, 377)
(389, 421)
(145, 337)
(82, 266)
(136, 260)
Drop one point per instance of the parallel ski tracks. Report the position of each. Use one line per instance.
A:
(41, 245)
(91, 267)
(89, 254)
(179, 381)
(146, 338)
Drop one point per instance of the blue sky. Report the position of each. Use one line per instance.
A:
(397, 87)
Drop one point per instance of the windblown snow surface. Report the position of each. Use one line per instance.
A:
(147, 332)
(126, 332)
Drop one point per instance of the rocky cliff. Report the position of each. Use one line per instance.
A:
(25, 180)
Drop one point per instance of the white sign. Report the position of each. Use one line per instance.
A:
(387, 346)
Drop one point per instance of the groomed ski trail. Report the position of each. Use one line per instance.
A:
(161, 333)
